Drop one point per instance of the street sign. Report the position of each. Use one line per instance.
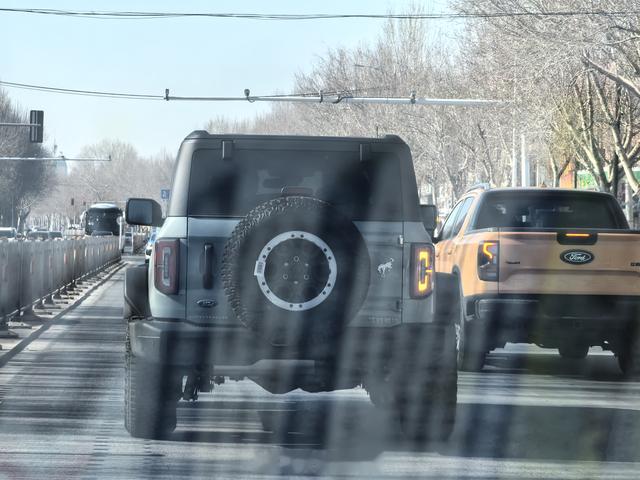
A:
(36, 119)
(165, 193)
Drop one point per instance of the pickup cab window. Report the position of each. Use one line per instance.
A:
(548, 209)
(447, 227)
(454, 221)
(462, 215)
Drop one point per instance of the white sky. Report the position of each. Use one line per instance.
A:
(190, 56)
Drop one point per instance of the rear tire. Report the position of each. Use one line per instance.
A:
(470, 351)
(629, 360)
(151, 394)
(574, 351)
(420, 390)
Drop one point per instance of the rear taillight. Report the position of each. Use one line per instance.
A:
(166, 266)
(422, 270)
(488, 261)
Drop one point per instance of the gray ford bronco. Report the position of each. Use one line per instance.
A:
(296, 262)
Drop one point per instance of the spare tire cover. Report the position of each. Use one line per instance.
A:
(295, 270)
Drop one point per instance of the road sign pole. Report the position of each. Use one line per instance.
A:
(165, 194)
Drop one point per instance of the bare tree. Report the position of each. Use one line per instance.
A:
(575, 76)
(126, 175)
(22, 183)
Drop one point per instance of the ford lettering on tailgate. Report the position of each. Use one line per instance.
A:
(576, 257)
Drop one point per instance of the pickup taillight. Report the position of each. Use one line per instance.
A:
(488, 260)
(577, 238)
(166, 263)
(422, 270)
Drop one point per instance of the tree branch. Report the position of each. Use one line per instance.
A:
(625, 82)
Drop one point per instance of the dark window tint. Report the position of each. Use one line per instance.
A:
(367, 190)
(548, 209)
(102, 220)
(38, 235)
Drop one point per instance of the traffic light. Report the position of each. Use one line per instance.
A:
(36, 119)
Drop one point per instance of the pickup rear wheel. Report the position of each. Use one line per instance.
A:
(470, 352)
(574, 351)
(629, 359)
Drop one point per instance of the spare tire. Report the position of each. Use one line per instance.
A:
(295, 270)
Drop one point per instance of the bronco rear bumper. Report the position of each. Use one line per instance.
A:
(185, 344)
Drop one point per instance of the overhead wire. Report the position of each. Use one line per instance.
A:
(140, 96)
(71, 91)
(139, 15)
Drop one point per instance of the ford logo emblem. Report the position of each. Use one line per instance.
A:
(576, 257)
(207, 303)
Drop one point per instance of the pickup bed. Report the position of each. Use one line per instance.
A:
(558, 268)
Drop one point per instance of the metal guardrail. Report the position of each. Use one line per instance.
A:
(32, 274)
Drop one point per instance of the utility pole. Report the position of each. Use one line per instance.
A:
(514, 159)
(524, 162)
(628, 207)
(514, 149)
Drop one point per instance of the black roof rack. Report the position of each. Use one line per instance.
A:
(479, 186)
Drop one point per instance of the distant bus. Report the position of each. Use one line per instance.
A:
(102, 219)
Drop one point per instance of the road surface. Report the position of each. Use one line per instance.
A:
(529, 414)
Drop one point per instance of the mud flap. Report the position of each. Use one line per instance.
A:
(447, 299)
(136, 293)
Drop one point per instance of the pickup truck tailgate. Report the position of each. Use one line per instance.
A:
(555, 262)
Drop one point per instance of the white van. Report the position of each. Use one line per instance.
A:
(127, 246)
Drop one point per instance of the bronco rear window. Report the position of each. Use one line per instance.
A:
(548, 209)
(369, 190)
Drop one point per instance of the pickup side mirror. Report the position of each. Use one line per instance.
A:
(143, 211)
(429, 215)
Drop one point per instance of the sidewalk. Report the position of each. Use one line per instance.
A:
(27, 331)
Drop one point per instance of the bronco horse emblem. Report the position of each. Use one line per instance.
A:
(383, 268)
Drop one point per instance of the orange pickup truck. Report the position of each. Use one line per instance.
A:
(558, 268)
